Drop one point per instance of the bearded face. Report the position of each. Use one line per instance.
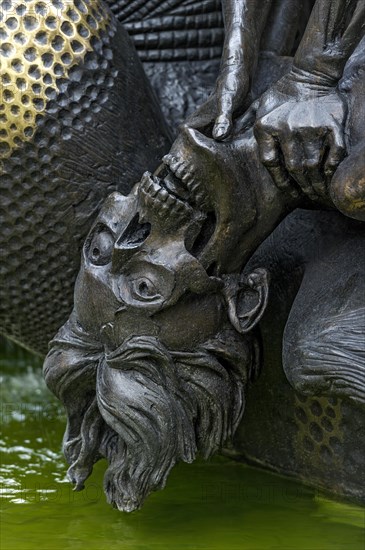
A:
(153, 363)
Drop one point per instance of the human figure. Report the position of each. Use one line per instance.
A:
(300, 120)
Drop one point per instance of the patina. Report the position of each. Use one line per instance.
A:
(239, 251)
(151, 365)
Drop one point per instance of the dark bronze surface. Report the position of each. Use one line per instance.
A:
(241, 251)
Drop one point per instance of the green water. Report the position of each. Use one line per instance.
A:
(216, 505)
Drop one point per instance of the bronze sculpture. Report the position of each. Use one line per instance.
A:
(200, 218)
(149, 329)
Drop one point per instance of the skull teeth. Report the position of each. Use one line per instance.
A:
(186, 173)
(181, 170)
(160, 200)
(170, 201)
(187, 177)
(163, 195)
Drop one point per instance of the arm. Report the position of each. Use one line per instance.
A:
(244, 22)
(302, 117)
(334, 30)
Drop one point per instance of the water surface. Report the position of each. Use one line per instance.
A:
(216, 505)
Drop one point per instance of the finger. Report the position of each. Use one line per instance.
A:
(293, 154)
(231, 92)
(268, 150)
(268, 147)
(315, 177)
(269, 153)
(313, 151)
(225, 100)
(337, 150)
(222, 127)
(282, 179)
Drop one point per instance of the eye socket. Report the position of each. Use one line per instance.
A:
(144, 289)
(101, 248)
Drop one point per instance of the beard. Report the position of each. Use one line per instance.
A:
(165, 407)
(150, 408)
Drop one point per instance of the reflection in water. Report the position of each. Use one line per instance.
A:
(219, 505)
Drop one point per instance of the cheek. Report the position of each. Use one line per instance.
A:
(94, 302)
(191, 323)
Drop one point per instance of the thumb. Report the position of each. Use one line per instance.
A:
(231, 92)
(222, 127)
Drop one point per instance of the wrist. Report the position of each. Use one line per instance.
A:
(311, 82)
(325, 70)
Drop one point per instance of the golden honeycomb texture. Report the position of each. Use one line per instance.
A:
(71, 84)
(39, 42)
(320, 435)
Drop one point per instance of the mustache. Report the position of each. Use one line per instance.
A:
(165, 407)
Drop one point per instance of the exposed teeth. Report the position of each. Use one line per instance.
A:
(200, 199)
(193, 187)
(147, 184)
(174, 164)
(181, 170)
(145, 180)
(187, 176)
(163, 195)
(166, 159)
(160, 200)
(163, 210)
(177, 166)
(186, 173)
(154, 190)
(170, 201)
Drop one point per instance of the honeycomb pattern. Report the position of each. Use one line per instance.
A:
(81, 144)
(319, 428)
(39, 43)
(51, 98)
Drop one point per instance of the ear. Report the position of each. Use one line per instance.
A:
(247, 298)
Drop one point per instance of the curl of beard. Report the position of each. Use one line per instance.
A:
(70, 370)
(165, 407)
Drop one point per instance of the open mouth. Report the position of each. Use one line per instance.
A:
(174, 188)
(176, 196)
(180, 178)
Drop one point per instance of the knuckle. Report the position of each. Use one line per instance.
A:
(311, 164)
(293, 165)
(266, 121)
(269, 158)
(262, 131)
(264, 124)
(258, 126)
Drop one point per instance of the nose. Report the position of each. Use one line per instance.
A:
(121, 255)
